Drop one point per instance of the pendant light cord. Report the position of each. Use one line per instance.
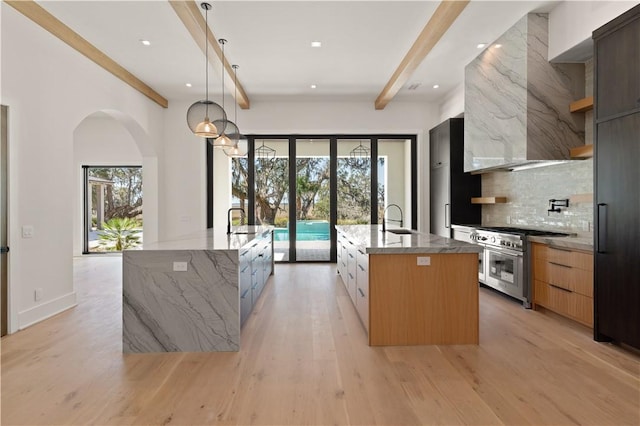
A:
(222, 42)
(206, 7)
(235, 89)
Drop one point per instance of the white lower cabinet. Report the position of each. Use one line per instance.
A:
(362, 287)
(256, 266)
(353, 268)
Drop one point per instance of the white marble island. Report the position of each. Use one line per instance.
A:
(410, 289)
(191, 294)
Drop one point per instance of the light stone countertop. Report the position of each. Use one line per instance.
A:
(578, 243)
(374, 241)
(212, 239)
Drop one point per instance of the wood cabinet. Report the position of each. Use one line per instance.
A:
(563, 282)
(616, 172)
(617, 49)
(451, 189)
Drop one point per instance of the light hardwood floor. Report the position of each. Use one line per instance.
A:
(304, 360)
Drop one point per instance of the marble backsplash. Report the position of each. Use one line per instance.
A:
(528, 193)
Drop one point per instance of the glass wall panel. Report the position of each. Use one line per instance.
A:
(354, 181)
(313, 207)
(113, 209)
(394, 180)
(272, 191)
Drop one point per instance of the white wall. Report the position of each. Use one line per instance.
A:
(572, 22)
(50, 89)
(99, 140)
(453, 103)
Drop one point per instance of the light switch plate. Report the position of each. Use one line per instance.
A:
(27, 231)
(424, 261)
(180, 266)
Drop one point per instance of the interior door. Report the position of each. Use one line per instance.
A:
(3, 224)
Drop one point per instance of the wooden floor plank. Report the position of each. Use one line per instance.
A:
(304, 359)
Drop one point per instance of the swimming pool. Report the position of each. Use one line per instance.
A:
(306, 230)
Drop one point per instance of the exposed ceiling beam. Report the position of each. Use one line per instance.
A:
(40, 16)
(190, 15)
(440, 21)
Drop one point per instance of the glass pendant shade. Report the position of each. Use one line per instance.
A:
(228, 136)
(206, 119)
(239, 149)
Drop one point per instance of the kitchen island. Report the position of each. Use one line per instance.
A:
(191, 294)
(410, 288)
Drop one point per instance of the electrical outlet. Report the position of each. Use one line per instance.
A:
(508, 220)
(37, 294)
(180, 266)
(424, 261)
(27, 231)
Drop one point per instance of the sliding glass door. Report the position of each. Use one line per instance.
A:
(304, 185)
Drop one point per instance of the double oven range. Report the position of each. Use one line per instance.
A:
(505, 263)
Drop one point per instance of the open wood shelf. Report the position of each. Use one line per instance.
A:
(581, 198)
(488, 200)
(580, 152)
(581, 105)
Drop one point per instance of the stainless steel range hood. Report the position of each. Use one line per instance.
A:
(517, 103)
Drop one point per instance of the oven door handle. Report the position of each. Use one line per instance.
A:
(504, 252)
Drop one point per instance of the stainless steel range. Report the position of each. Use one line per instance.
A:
(505, 263)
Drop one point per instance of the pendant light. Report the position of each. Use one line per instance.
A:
(230, 131)
(202, 115)
(265, 152)
(241, 146)
(360, 151)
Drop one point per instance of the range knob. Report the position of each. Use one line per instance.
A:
(493, 239)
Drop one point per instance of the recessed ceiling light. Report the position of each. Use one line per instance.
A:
(435, 86)
(313, 86)
(481, 45)
(316, 44)
(188, 84)
(497, 46)
(145, 42)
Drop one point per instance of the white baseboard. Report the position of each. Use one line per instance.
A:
(46, 310)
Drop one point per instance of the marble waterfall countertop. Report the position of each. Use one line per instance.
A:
(212, 239)
(184, 295)
(374, 241)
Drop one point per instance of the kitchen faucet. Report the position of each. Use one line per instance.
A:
(384, 217)
(242, 215)
(556, 204)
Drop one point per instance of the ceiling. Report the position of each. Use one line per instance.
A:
(363, 42)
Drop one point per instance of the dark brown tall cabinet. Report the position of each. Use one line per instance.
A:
(451, 188)
(617, 180)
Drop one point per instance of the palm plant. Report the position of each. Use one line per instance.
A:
(119, 233)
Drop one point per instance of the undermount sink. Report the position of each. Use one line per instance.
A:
(244, 232)
(400, 231)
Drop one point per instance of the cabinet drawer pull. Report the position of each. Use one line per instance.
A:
(245, 293)
(561, 288)
(350, 255)
(361, 268)
(360, 251)
(560, 264)
(361, 292)
(560, 249)
(350, 276)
